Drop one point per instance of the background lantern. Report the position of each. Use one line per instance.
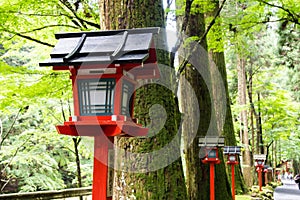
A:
(104, 67)
(260, 160)
(232, 152)
(211, 156)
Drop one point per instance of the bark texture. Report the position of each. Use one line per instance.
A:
(200, 83)
(217, 62)
(244, 134)
(168, 181)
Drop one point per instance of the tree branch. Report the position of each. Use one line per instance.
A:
(61, 14)
(47, 26)
(169, 3)
(185, 61)
(16, 152)
(29, 38)
(10, 128)
(179, 41)
(69, 7)
(293, 15)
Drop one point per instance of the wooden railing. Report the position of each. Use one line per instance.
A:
(52, 194)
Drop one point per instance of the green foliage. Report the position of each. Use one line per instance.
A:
(32, 98)
(39, 159)
(35, 155)
(39, 20)
(255, 32)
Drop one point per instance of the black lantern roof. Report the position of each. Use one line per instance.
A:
(102, 47)
(232, 150)
(211, 141)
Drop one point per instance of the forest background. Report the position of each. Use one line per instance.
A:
(259, 38)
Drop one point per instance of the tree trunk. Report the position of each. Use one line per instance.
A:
(247, 169)
(218, 68)
(196, 79)
(157, 181)
(196, 173)
(259, 128)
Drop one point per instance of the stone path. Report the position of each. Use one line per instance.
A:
(288, 191)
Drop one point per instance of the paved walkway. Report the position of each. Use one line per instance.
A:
(288, 191)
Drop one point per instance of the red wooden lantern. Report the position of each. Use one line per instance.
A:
(104, 68)
(232, 152)
(259, 164)
(211, 144)
(211, 155)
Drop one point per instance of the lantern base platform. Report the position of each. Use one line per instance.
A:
(106, 127)
(211, 160)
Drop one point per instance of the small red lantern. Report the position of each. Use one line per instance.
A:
(104, 67)
(232, 152)
(259, 164)
(211, 155)
(211, 144)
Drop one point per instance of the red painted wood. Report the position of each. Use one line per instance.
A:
(232, 182)
(75, 92)
(100, 169)
(212, 181)
(260, 177)
(106, 127)
(118, 96)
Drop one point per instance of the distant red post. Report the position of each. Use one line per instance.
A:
(211, 157)
(259, 171)
(232, 152)
(232, 182)
(212, 180)
(259, 164)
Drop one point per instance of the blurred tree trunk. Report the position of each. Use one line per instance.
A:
(244, 134)
(166, 182)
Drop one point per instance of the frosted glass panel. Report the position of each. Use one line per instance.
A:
(96, 96)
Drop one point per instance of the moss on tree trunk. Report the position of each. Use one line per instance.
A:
(217, 59)
(166, 182)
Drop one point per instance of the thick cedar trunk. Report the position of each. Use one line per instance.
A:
(167, 182)
(196, 173)
(217, 58)
(200, 83)
(244, 122)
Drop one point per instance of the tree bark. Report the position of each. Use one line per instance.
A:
(217, 62)
(200, 82)
(167, 182)
(196, 173)
(247, 169)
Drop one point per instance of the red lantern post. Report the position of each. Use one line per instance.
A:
(104, 68)
(259, 164)
(211, 157)
(232, 152)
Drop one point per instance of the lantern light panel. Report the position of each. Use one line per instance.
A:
(212, 153)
